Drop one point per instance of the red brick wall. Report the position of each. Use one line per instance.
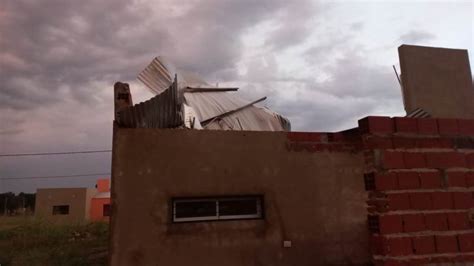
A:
(420, 178)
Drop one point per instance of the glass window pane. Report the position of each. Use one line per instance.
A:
(238, 206)
(60, 209)
(187, 209)
(106, 210)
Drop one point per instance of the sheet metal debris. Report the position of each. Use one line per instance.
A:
(189, 101)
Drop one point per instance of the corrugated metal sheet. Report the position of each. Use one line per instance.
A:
(161, 111)
(210, 105)
(214, 107)
(156, 76)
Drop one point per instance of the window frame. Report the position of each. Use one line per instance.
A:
(259, 199)
(59, 208)
(109, 210)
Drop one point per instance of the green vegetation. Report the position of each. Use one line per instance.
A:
(29, 241)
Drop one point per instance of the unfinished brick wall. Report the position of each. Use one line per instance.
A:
(420, 174)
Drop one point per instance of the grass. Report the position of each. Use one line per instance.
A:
(30, 241)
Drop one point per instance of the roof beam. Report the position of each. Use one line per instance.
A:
(208, 89)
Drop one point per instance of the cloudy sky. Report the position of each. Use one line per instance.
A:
(323, 64)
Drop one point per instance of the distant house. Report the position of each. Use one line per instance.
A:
(74, 204)
(100, 203)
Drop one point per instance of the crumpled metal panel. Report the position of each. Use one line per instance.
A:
(224, 110)
(156, 76)
(212, 104)
(161, 111)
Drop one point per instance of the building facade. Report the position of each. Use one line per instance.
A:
(64, 204)
(391, 191)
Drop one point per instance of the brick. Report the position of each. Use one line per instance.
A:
(463, 143)
(427, 143)
(403, 143)
(393, 160)
(430, 180)
(445, 159)
(377, 142)
(445, 260)
(470, 160)
(386, 181)
(432, 143)
(456, 179)
(421, 201)
(408, 180)
(413, 222)
(462, 200)
(446, 244)
(466, 242)
(470, 179)
(445, 143)
(399, 246)
(419, 261)
(442, 200)
(424, 245)
(376, 124)
(427, 126)
(390, 224)
(466, 127)
(377, 245)
(378, 205)
(466, 257)
(458, 221)
(436, 221)
(390, 262)
(399, 201)
(448, 126)
(414, 160)
(406, 125)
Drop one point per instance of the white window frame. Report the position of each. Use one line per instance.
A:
(217, 217)
(190, 219)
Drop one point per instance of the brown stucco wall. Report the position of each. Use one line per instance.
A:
(78, 200)
(437, 80)
(314, 199)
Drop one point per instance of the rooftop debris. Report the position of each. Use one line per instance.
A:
(185, 100)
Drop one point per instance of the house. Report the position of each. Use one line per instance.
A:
(74, 204)
(63, 204)
(389, 191)
(100, 202)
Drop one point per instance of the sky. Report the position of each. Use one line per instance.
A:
(322, 64)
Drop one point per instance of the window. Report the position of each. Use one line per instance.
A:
(61, 210)
(106, 210)
(220, 208)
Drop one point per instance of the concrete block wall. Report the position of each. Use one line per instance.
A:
(420, 176)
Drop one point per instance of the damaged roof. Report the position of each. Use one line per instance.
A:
(185, 100)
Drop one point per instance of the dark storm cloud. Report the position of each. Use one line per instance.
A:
(416, 37)
(342, 88)
(59, 60)
(49, 44)
(293, 26)
(57, 43)
(352, 89)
